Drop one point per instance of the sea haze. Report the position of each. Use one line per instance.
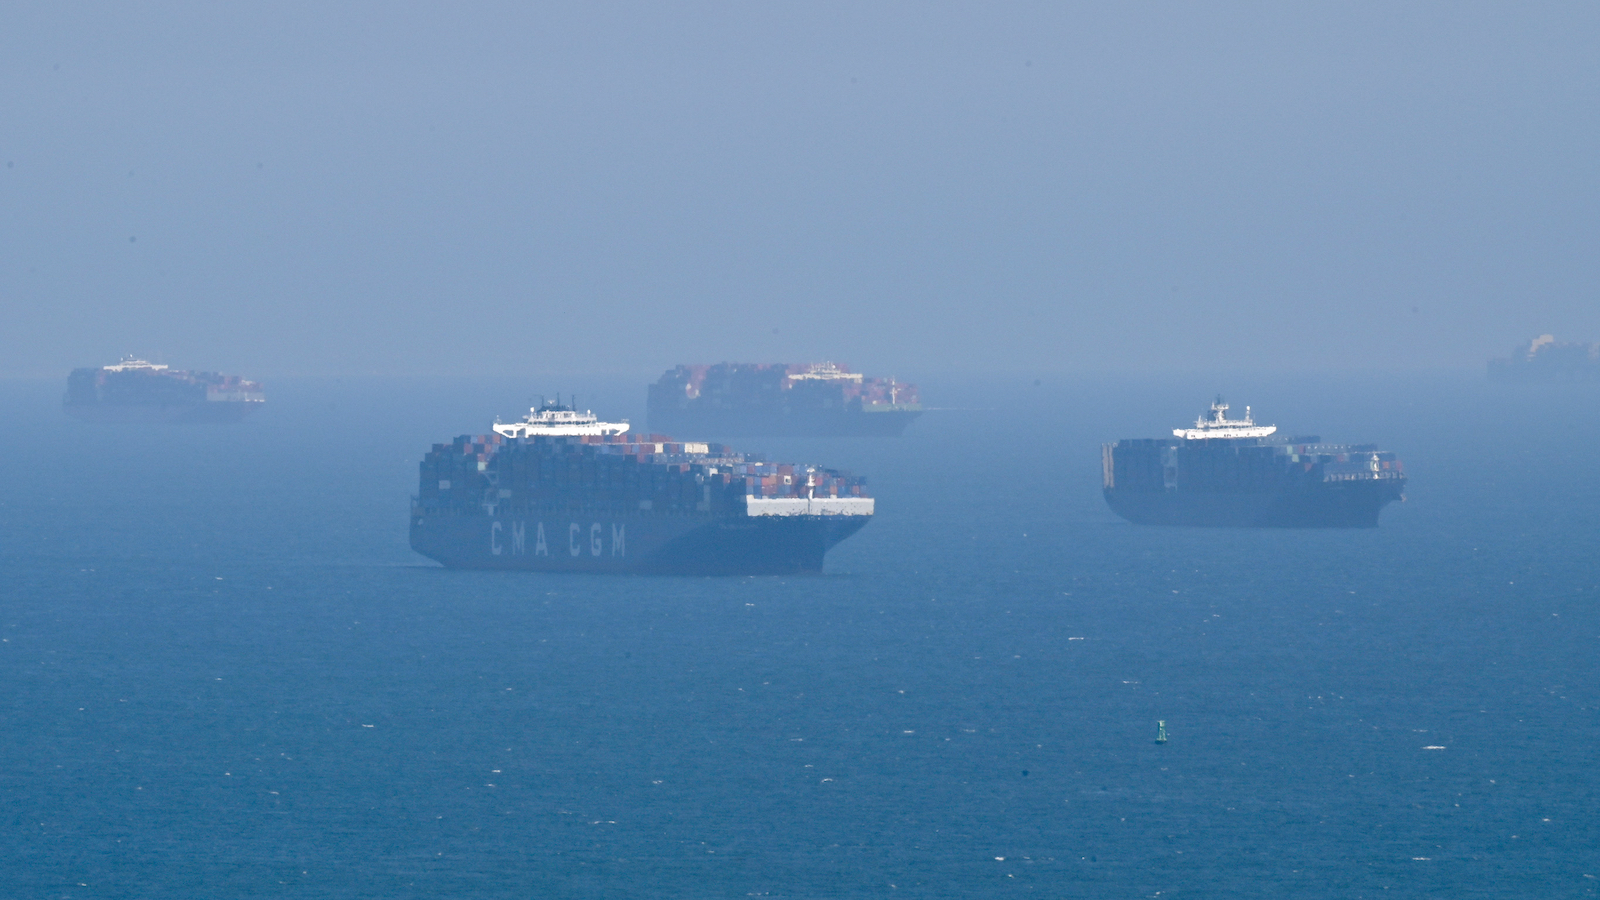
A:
(228, 676)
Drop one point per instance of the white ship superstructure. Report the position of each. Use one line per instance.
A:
(825, 371)
(556, 420)
(129, 364)
(1220, 426)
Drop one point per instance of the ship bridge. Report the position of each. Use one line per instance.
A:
(129, 363)
(1220, 426)
(825, 371)
(557, 420)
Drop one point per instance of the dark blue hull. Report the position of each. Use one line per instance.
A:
(1349, 504)
(637, 544)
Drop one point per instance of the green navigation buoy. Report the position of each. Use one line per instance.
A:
(1161, 731)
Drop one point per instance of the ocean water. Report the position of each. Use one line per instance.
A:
(226, 675)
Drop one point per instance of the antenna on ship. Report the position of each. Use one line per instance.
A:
(1161, 731)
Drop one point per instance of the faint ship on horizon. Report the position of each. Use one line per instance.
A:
(780, 400)
(1545, 359)
(136, 390)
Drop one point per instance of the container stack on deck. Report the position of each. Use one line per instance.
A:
(612, 474)
(1242, 465)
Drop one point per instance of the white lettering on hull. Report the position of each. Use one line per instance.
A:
(541, 546)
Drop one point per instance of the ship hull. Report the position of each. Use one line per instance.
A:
(181, 413)
(1351, 504)
(701, 424)
(637, 544)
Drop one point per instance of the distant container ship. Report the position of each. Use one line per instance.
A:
(1546, 359)
(134, 390)
(562, 491)
(1226, 472)
(780, 400)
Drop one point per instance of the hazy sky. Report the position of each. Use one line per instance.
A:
(910, 188)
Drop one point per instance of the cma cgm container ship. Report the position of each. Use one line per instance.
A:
(134, 390)
(1237, 473)
(780, 400)
(561, 491)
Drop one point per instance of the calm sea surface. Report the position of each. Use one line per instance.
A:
(226, 675)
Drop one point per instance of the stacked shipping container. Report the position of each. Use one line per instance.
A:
(614, 473)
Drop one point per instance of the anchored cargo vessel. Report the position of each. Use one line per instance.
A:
(561, 491)
(1546, 359)
(135, 390)
(744, 399)
(1233, 472)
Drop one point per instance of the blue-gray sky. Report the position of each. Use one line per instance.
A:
(614, 188)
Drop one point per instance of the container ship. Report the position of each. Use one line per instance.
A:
(134, 390)
(1233, 472)
(780, 400)
(562, 491)
(1546, 359)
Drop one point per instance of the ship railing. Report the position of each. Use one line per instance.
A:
(1384, 475)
